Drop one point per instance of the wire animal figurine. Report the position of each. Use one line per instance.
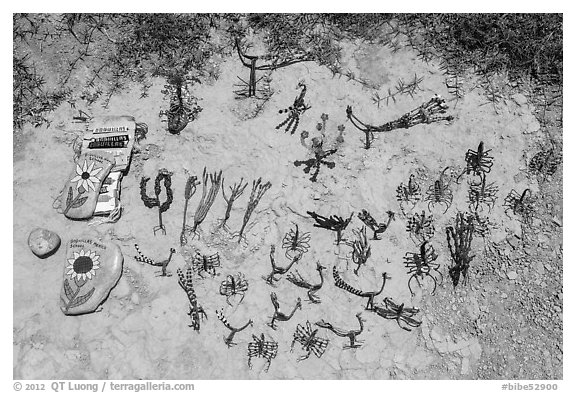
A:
(262, 348)
(421, 265)
(294, 111)
(296, 243)
(229, 340)
(309, 340)
(233, 286)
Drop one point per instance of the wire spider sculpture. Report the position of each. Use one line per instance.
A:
(294, 111)
(262, 348)
(205, 263)
(481, 194)
(309, 341)
(296, 243)
(420, 227)
(478, 162)
(439, 193)
(421, 265)
(521, 205)
(234, 285)
(400, 313)
(408, 194)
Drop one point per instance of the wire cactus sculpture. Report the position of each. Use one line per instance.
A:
(189, 191)
(149, 202)
(459, 239)
(429, 112)
(235, 192)
(206, 201)
(258, 191)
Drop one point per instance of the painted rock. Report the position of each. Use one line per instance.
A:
(92, 269)
(43, 242)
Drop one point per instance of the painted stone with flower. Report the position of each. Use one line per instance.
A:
(92, 269)
(81, 193)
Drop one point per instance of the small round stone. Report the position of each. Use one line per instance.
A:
(43, 242)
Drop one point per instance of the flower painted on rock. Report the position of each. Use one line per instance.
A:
(86, 176)
(84, 265)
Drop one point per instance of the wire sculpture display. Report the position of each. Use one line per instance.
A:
(350, 334)
(333, 223)
(421, 265)
(196, 311)
(296, 279)
(340, 283)
(439, 193)
(144, 259)
(229, 340)
(309, 340)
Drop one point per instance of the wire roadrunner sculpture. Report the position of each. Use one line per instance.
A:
(296, 279)
(229, 340)
(280, 316)
(340, 283)
(144, 259)
(278, 270)
(350, 334)
(310, 342)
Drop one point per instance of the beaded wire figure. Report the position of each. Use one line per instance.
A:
(340, 283)
(229, 340)
(309, 341)
(196, 311)
(144, 259)
(294, 111)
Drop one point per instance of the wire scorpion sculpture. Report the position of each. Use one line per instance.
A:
(294, 111)
(439, 193)
(478, 162)
(309, 341)
(409, 193)
(340, 283)
(421, 265)
(296, 243)
(521, 205)
(480, 194)
(420, 227)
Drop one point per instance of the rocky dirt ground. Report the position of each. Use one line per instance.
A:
(505, 323)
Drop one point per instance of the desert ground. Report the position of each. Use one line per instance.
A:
(503, 322)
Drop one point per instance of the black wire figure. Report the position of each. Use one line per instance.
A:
(294, 111)
(149, 202)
